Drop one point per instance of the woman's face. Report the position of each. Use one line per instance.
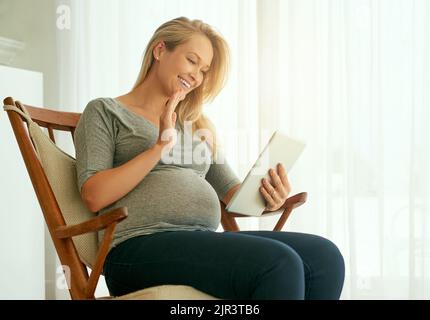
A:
(185, 67)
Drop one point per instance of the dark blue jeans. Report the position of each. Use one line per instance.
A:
(229, 265)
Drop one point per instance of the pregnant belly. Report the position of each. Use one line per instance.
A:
(176, 195)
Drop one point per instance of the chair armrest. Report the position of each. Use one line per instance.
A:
(291, 203)
(95, 224)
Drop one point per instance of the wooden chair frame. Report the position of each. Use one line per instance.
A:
(82, 285)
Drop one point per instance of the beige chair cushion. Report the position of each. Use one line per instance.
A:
(165, 292)
(60, 170)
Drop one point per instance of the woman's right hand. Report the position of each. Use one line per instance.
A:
(167, 134)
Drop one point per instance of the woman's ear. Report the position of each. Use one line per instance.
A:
(158, 50)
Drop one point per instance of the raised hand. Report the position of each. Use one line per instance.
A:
(167, 134)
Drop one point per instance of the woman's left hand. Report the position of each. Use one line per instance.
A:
(277, 189)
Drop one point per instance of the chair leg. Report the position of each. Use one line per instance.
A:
(282, 219)
(228, 223)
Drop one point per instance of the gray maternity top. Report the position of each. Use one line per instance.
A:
(181, 192)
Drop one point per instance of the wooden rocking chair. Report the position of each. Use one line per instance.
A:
(72, 226)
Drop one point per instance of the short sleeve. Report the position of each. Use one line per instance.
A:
(94, 141)
(221, 176)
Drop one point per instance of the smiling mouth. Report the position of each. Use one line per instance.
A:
(184, 83)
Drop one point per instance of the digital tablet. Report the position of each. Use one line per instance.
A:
(248, 200)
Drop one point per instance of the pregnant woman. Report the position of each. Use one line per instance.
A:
(131, 153)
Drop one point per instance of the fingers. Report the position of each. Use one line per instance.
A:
(277, 183)
(182, 95)
(283, 176)
(270, 202)
(271, 191)
(276, 191)
(175, 99)
(171, 104)
(167, 131)
(168, 113)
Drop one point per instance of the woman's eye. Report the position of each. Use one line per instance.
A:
(191, 61)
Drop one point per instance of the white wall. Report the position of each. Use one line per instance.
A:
(22, 244)
(34, 23)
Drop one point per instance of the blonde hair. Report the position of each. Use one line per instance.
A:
(176, 32)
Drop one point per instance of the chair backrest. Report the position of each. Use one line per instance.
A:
(69, 256)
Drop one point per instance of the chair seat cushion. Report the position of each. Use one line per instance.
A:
(165, 292)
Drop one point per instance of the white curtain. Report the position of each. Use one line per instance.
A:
(349, 77)
(352, 81)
